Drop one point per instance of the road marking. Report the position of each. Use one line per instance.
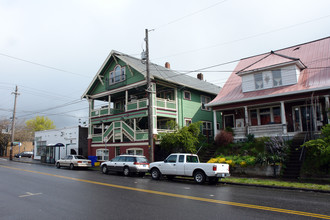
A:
(286, 211)
(29, 194)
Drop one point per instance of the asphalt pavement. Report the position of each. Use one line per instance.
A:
(31, 191)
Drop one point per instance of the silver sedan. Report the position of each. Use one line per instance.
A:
(73, 161)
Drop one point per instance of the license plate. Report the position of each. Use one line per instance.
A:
(84, 161)
(144, 165)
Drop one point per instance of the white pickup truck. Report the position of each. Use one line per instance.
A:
(185, 164)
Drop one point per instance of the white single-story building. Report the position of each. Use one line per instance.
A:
(51, 145)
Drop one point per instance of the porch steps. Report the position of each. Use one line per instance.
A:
(294, 163)
(206, 156)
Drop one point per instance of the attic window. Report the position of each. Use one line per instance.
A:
(258, 81)
(117, 75)
(277, 77)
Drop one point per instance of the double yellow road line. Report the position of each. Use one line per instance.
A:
(286, 211)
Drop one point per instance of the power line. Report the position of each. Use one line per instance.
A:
(189, 15)
(43, 65)
(244, 38)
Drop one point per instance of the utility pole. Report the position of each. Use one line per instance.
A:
(150, 108)
(13, 125)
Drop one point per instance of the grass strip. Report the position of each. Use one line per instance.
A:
(277, 183)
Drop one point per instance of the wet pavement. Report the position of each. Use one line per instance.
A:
(31, 191)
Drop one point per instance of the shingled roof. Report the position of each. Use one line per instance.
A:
(168, 75)
(313, 58)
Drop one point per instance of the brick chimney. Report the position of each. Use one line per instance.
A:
(167, 65)
(200, 76)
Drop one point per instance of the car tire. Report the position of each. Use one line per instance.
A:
(155, 174)
(126, 171)
(199, 177)
(104, 169)
(71, 166)
(58, 165)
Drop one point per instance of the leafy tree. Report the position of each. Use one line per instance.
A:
(318, 151)
(40, 123)
(4, 136)
(185, 139)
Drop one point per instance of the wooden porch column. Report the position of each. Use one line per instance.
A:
(176, 105)
(327, 108)
(126, 100)
(283, 118)
(90, 127)
(134, 129)
(215, 123)
(246, 114)
(102, 132)
(109, 104)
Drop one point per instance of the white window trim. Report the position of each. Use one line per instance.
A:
(258, 113)
(205, 108)
(135, 149)
(224, 121)
(255, 82)
(112, 76)
(281, 79)
(210, 123)
(184, 97)
(103, 153)
(187, 119)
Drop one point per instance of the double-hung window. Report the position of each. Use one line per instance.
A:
(205, 100)
(258, 80)
(207, 128)
(277, 78)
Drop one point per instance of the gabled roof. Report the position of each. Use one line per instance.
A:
(314, 58)
(158, 72)
(271, 60)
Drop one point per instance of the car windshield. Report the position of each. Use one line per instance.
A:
(141, 160)
(80, 157)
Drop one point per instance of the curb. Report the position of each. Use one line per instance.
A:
(277, 187)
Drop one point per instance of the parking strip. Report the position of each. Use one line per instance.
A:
(286, 211)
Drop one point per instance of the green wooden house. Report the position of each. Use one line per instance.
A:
(118, 105)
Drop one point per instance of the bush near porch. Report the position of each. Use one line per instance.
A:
(317, 159)
(254, 152)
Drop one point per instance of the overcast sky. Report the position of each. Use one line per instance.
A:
(51, 49)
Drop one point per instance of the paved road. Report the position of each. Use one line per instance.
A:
(29, 191)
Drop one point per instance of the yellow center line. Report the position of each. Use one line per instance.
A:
(287, 211)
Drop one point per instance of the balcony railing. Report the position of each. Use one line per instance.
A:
(166, 103)
(134, 105)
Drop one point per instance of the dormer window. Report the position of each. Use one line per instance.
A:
(117, 75)
(258, 81)
(277, 77)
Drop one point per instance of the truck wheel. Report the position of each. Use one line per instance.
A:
(155, 174)
(58, 165)
(199, 177)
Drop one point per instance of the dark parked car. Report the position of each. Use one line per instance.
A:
(28, 154)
